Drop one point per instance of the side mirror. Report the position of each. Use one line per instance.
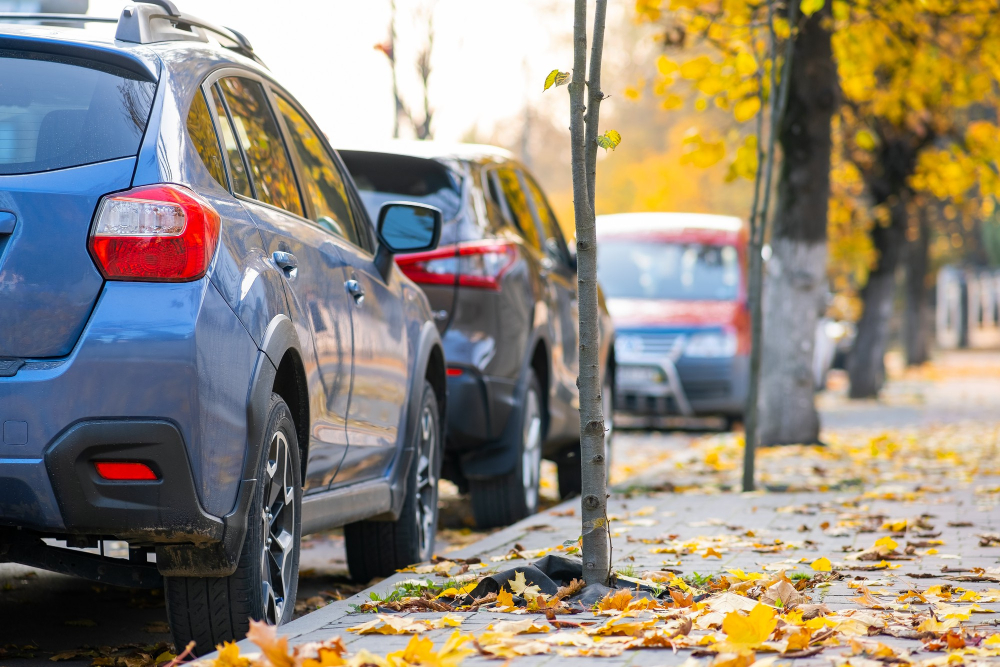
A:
(405, 227)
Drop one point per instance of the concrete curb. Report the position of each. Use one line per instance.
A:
(493, 543)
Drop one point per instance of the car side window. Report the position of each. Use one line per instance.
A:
(257, 132)
(555, 243)
(518, 204)
(237, 168)
(206, 142)
(323, 184)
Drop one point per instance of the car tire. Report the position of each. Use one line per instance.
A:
(379, 548)
(504, 499)
(212, 610)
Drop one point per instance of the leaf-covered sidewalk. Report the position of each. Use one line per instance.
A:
(883, 547)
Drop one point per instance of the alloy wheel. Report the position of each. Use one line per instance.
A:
(427, 480)
(531, 456)
(278, 516)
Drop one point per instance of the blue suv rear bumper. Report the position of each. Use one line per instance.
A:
(160, 374)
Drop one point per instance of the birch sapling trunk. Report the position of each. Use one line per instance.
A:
(583, 137)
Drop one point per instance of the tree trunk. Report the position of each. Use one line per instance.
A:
(919, 317)
(888, 184)
(866, 366)
(594, 503)
(795, 282)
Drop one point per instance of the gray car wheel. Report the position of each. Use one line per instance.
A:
(212, 610)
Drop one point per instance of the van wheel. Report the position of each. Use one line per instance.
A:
(212, 610)
(568, 464)
(379, 548)
(502, 500)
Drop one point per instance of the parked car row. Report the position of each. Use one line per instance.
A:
(220, 334)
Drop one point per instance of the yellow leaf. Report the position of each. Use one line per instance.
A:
(696, 67)
(229, 656)
(420, 651)
(800, 640)
(556, 78)
(866, 140)
(746, 109)
(520, 586)
(672, 101)
(711, 552)
(632, 93)
(810, 7)
(609, 139)
(822, 565)
(528, 626)
(886, 545)
(750, 630)
(746, 64)
(275, 649)
(933, 625)
(617, 601)
(666, 65)
(505, 599)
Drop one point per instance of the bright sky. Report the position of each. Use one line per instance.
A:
(489, 58)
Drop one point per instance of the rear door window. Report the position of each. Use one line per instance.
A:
(202, 132)
(237, 168)
(322, 182)
(518, 205)
(55, 114)
(554, 243)
(257, 133)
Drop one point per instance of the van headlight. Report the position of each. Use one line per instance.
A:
(711, 344)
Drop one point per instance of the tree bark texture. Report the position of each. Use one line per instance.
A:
(594, 501)
(919, 321)
(795, 280)
(887, 182)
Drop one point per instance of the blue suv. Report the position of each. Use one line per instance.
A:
(206, 348)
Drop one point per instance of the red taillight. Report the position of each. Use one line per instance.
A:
(125, 471)
(156, 233)
(453, 372)
(475, 264)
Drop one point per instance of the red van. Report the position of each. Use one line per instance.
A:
(675, 285)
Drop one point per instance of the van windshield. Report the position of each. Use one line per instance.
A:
(56, 114)
(641, 269)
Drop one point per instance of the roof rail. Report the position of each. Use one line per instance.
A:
(56, 18)
(160, 21)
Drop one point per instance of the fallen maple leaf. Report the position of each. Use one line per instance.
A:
(822, 565)
(274, 648)
(711, 552)
(229, 656)
(420, 651)
(520, 587)
(617, 601)
(526, 627)
(750, 630)
(505, 600)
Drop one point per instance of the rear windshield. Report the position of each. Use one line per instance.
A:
(641, 269)
(382, 177)
(56, 114)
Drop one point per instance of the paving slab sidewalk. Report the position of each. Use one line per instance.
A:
(787, 528)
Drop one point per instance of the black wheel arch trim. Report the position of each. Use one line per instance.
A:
(500, 457)
(222, 558)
